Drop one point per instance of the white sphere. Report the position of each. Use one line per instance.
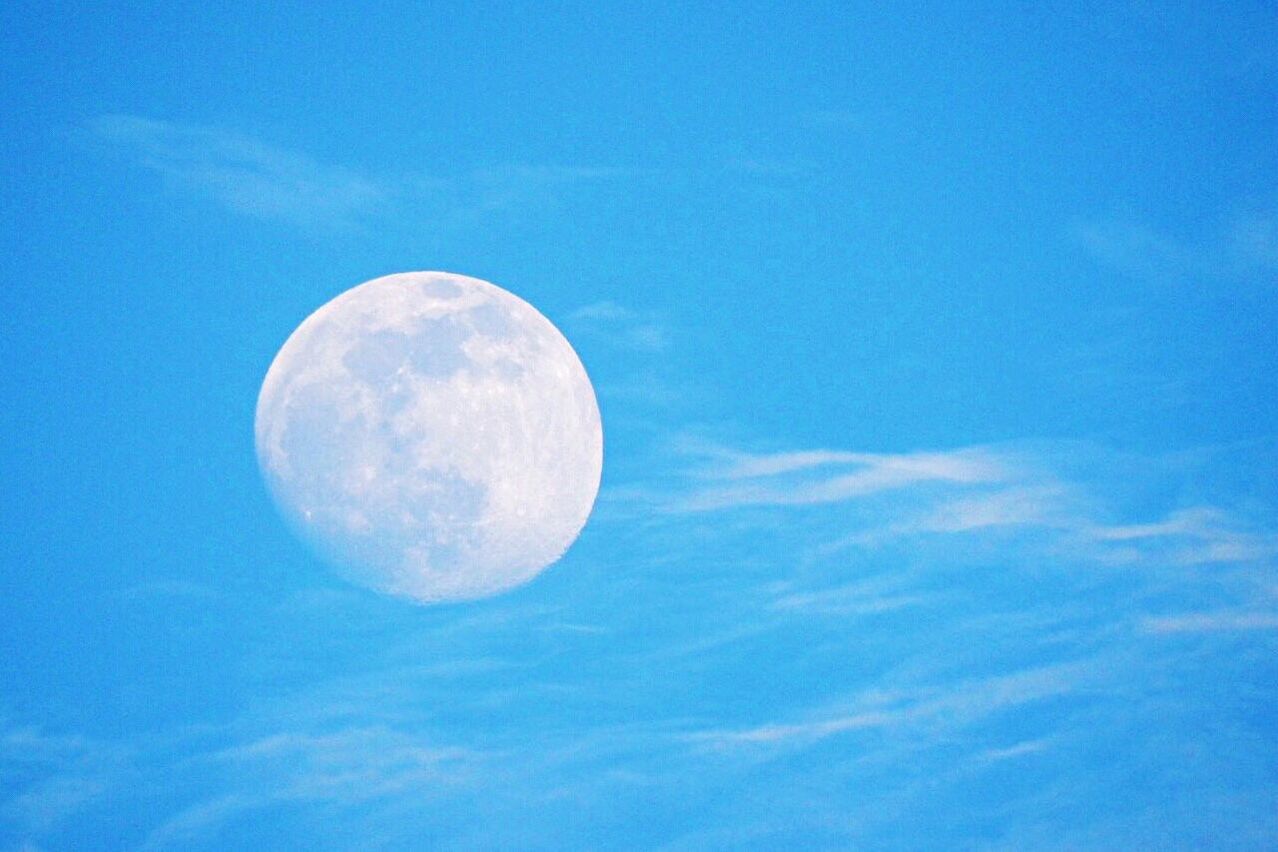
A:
(432, 435)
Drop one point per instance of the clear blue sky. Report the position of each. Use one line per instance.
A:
(936, 350)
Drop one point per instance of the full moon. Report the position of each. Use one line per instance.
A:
(432, 436)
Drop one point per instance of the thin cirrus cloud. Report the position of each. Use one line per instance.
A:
(951, 707)
(869, 597)
(1032, 505)
(828, 476)
(1134, 248)
(965, 505)
(67, 773)
(244, 174)
(621, 326)
(1190, 536)
(342, 767)
(1247, 244)
(266, 181)
(909, 690)
(1212, 622)
(965, 492)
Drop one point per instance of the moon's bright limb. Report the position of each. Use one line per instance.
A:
(433, 435)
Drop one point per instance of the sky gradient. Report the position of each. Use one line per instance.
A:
(936, 355)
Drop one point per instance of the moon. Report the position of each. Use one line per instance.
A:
(432, 436)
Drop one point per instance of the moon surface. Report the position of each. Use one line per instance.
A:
(432, 436)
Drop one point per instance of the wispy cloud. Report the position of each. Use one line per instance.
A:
(833, 117)
(867, 597)
(497, 191)
(163, 590)
(1212, 622)
(633, 366)
(268, 181)
(1190, 536)
(969, 492)
(1021, 749)
(827, 476)
(1253, 240)
(1134, 248)
(768, 167)
(839, 636)
(346, 767)
(621, 326)
(67, 774)
(951, 706)
(603, 312)
(246, 175)
(1246, 244)
(1018, 506)
(718, 668)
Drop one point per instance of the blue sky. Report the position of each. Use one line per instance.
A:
(935, 351)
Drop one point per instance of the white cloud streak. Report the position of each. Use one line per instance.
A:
(853, 600)
(1246, 245)
(969, 492)
(345, 767)
(1192, 536)
(1030, 506)
(947, 708)
(266, 181)
(1212, 622)
(621, 327)
(68, 774)
(244, 174)
(1021, 749)
(765, 480)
